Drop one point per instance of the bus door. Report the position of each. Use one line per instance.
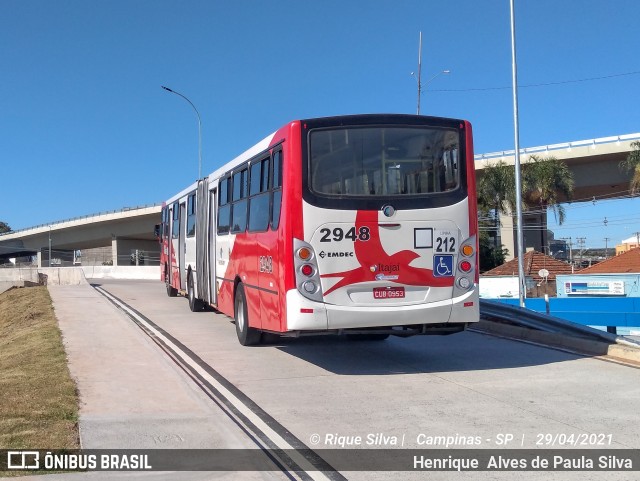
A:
(182, 245)
(211, 245)
(174, 232)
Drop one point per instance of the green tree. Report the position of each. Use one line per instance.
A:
(632, 164)
(4, 227)
(545, 181)
(490, 256)
(496, 194)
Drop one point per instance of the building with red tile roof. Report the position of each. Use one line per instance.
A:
(533, 262)
(627, 262)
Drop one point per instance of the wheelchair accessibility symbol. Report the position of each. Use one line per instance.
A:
(442, 265)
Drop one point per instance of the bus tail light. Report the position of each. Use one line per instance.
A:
(306, 271)
(467, 250)
(310, 287)
(465, 269)
(465, 266)
(304, 253)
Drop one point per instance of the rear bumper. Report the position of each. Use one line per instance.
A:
(306, 315)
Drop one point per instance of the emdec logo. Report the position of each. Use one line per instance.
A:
(324, 254)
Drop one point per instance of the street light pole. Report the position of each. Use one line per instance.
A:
(419, 72)
(516, 128)
(432, 79)
(199, 128)
(49, 246)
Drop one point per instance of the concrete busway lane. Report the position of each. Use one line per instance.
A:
(131, 395)
(463, 385)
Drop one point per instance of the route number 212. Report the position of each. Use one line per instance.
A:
(445, 244)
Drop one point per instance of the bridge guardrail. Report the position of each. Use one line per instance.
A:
(535, 320)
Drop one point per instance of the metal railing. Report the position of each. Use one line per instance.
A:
(521, 316)
(544, 149)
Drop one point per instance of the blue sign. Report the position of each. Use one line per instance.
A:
(442, 265)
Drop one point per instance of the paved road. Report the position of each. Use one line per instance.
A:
(465, 385)
(132, 396)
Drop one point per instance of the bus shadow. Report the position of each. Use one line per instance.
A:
(468, 351)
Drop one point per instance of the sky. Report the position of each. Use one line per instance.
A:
(85, 126)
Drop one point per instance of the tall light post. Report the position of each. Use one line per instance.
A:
(419, 78)
(516, 128)
(431, 80)
(199, 128)
(49, 246)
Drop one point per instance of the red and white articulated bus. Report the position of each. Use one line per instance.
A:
(364, 225)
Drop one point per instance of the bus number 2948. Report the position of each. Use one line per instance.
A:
(266, 264)
(363, 234)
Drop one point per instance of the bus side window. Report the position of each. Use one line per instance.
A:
(239, 211)
(259, 201)
(165, 222)
(191, 216)
(277, 190)
(224, 211)
(176, 221)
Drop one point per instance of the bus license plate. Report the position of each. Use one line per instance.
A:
(388, 292)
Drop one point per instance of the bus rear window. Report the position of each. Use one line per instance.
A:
(383, 161)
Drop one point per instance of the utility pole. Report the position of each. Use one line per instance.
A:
(570, 249)
(606, 247)
(419, 77)
(419, 72)
(581, 242)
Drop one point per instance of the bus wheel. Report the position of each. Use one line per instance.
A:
(171, 291)
(194, 304)
(246, 335)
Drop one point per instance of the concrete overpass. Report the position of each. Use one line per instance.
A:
(594, 163)
(117, 234)
(595, 167)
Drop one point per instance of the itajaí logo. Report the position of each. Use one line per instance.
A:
(384, 271)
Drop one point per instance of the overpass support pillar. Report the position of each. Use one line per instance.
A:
(114, 250)
(507, 235)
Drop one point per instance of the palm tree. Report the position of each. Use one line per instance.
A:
(632, 163)
(545, 180)
(545, 183)
(496, 192)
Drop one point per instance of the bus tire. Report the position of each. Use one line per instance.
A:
(171, 291)
(194, 304)
(247, 336)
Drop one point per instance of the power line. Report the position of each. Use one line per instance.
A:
(545, 84)
(582, 203)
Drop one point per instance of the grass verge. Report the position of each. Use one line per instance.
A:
(38, 398)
